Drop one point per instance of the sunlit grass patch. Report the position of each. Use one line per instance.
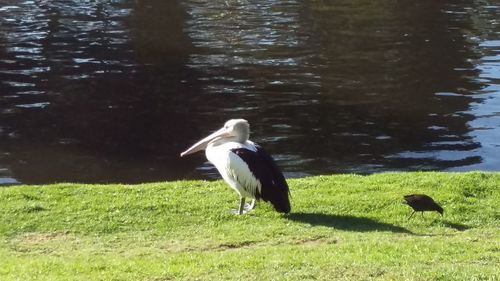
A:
(343, 227)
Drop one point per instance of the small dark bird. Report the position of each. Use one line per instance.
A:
(422, 203)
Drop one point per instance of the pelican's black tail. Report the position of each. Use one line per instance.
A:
(281, 204)
(277, 190)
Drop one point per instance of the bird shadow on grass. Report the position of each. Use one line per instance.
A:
(457, 226)
(348, 223)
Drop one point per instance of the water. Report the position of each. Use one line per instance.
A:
(113, 91)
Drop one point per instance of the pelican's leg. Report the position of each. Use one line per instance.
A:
(241, 208)
(253, 204)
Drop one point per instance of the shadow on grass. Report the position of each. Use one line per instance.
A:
(457, 226)
(349, 223)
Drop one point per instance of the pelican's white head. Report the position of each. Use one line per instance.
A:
(237, 130)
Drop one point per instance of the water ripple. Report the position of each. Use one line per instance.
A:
(113, 90)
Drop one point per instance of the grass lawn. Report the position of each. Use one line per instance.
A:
(342, 227)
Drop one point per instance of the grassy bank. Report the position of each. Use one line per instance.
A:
(343, 227)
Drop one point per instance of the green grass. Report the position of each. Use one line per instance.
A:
(344, 227)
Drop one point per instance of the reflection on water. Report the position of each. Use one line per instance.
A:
(112, 91)
(485, 108)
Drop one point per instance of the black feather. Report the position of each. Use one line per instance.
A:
(274, 188)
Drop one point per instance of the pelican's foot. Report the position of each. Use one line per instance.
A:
(237, 212)
(243, 207)
(249, 207)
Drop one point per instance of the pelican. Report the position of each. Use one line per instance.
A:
(244, 166)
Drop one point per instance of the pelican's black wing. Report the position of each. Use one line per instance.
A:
(274, 188)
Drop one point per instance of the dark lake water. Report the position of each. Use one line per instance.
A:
(113, 91)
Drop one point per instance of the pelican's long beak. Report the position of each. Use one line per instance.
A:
(202, 144)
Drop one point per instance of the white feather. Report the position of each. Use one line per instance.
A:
(233, 169)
